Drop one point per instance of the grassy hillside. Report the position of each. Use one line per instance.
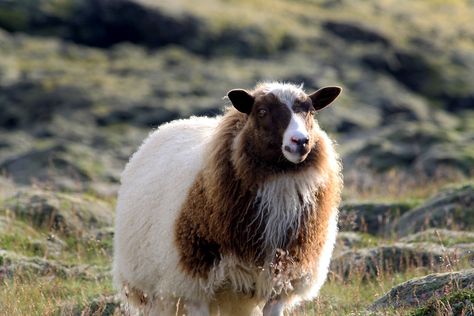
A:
(83, 82)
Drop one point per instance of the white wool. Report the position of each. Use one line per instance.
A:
(286, 92)
(154, 186)
(282, 201)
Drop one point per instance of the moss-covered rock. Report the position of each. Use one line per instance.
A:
(15, 265)
(368, 263)
(372, 218)
(452, 209)
(420, 290)
(67, 165)
(420, 148)
(70, 214)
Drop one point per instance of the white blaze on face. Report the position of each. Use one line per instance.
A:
(296, 130)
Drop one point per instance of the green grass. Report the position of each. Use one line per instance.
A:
(338, 298)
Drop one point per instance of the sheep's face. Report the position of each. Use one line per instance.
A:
(281, 122)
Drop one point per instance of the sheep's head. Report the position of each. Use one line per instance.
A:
(281, 119)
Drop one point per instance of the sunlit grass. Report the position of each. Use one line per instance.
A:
(398, 185)
(45, 296)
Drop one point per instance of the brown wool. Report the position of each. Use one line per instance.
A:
(217, 219)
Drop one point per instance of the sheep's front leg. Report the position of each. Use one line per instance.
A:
(274, 307)
(196, 309)
(173, 307)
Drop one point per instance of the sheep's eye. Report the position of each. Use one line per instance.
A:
(262, 112)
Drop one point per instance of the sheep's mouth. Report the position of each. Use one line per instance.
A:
(295, 154)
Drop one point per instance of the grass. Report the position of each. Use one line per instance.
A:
(353, 297)
(175, 78)
(457, 303)
(44, 296)
(400, 186)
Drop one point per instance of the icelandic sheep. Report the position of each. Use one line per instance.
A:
(233, 215)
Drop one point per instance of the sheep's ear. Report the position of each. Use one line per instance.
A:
(241, 100)
(324, 96)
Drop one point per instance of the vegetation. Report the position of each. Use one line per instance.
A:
(83, 82)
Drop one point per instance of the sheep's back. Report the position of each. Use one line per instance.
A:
(155, 183)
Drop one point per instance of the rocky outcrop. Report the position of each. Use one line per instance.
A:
(372, 262)
(418, 291)
(372, 218)
(15, 265)
(451, 209)
(70, 214)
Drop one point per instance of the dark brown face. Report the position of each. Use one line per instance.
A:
(268, 121)
(281, 125)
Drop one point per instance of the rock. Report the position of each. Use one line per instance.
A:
(355, 33)
(451, 156)
(143, 116)
(104, 23)
(438, 285)
(99, 23)
(66, 165)
(397, 146)
(7, 188)
(70, 214)
(371, 218)
(410, 68)
(371, 262)
(28, 104)
(442, 236)
(103, 305)
(451, 209)
(414, 147)
(12, 264)
(346, 241)
(455, 303)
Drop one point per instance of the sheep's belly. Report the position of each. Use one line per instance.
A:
(154, 186)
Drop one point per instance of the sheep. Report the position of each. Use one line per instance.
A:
(233, 215)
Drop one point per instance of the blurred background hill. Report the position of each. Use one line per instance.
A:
(83, 82)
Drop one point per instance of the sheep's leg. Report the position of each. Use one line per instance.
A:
(196, 309)
(173, 307)
(274, 307)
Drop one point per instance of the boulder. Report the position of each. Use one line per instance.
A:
(66, 165)
(402, 146)
(372, 218)
(451, 209)
(67, 213)
(356, 33)
(420, 290)
(14, 265)
(346, 241)
(28, 104)
(372, 262)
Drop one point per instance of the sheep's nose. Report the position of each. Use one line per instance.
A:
(301, 141)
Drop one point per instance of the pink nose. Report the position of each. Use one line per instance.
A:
(300, 140)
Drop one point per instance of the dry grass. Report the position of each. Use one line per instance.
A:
(44, 296)
(397, 185)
